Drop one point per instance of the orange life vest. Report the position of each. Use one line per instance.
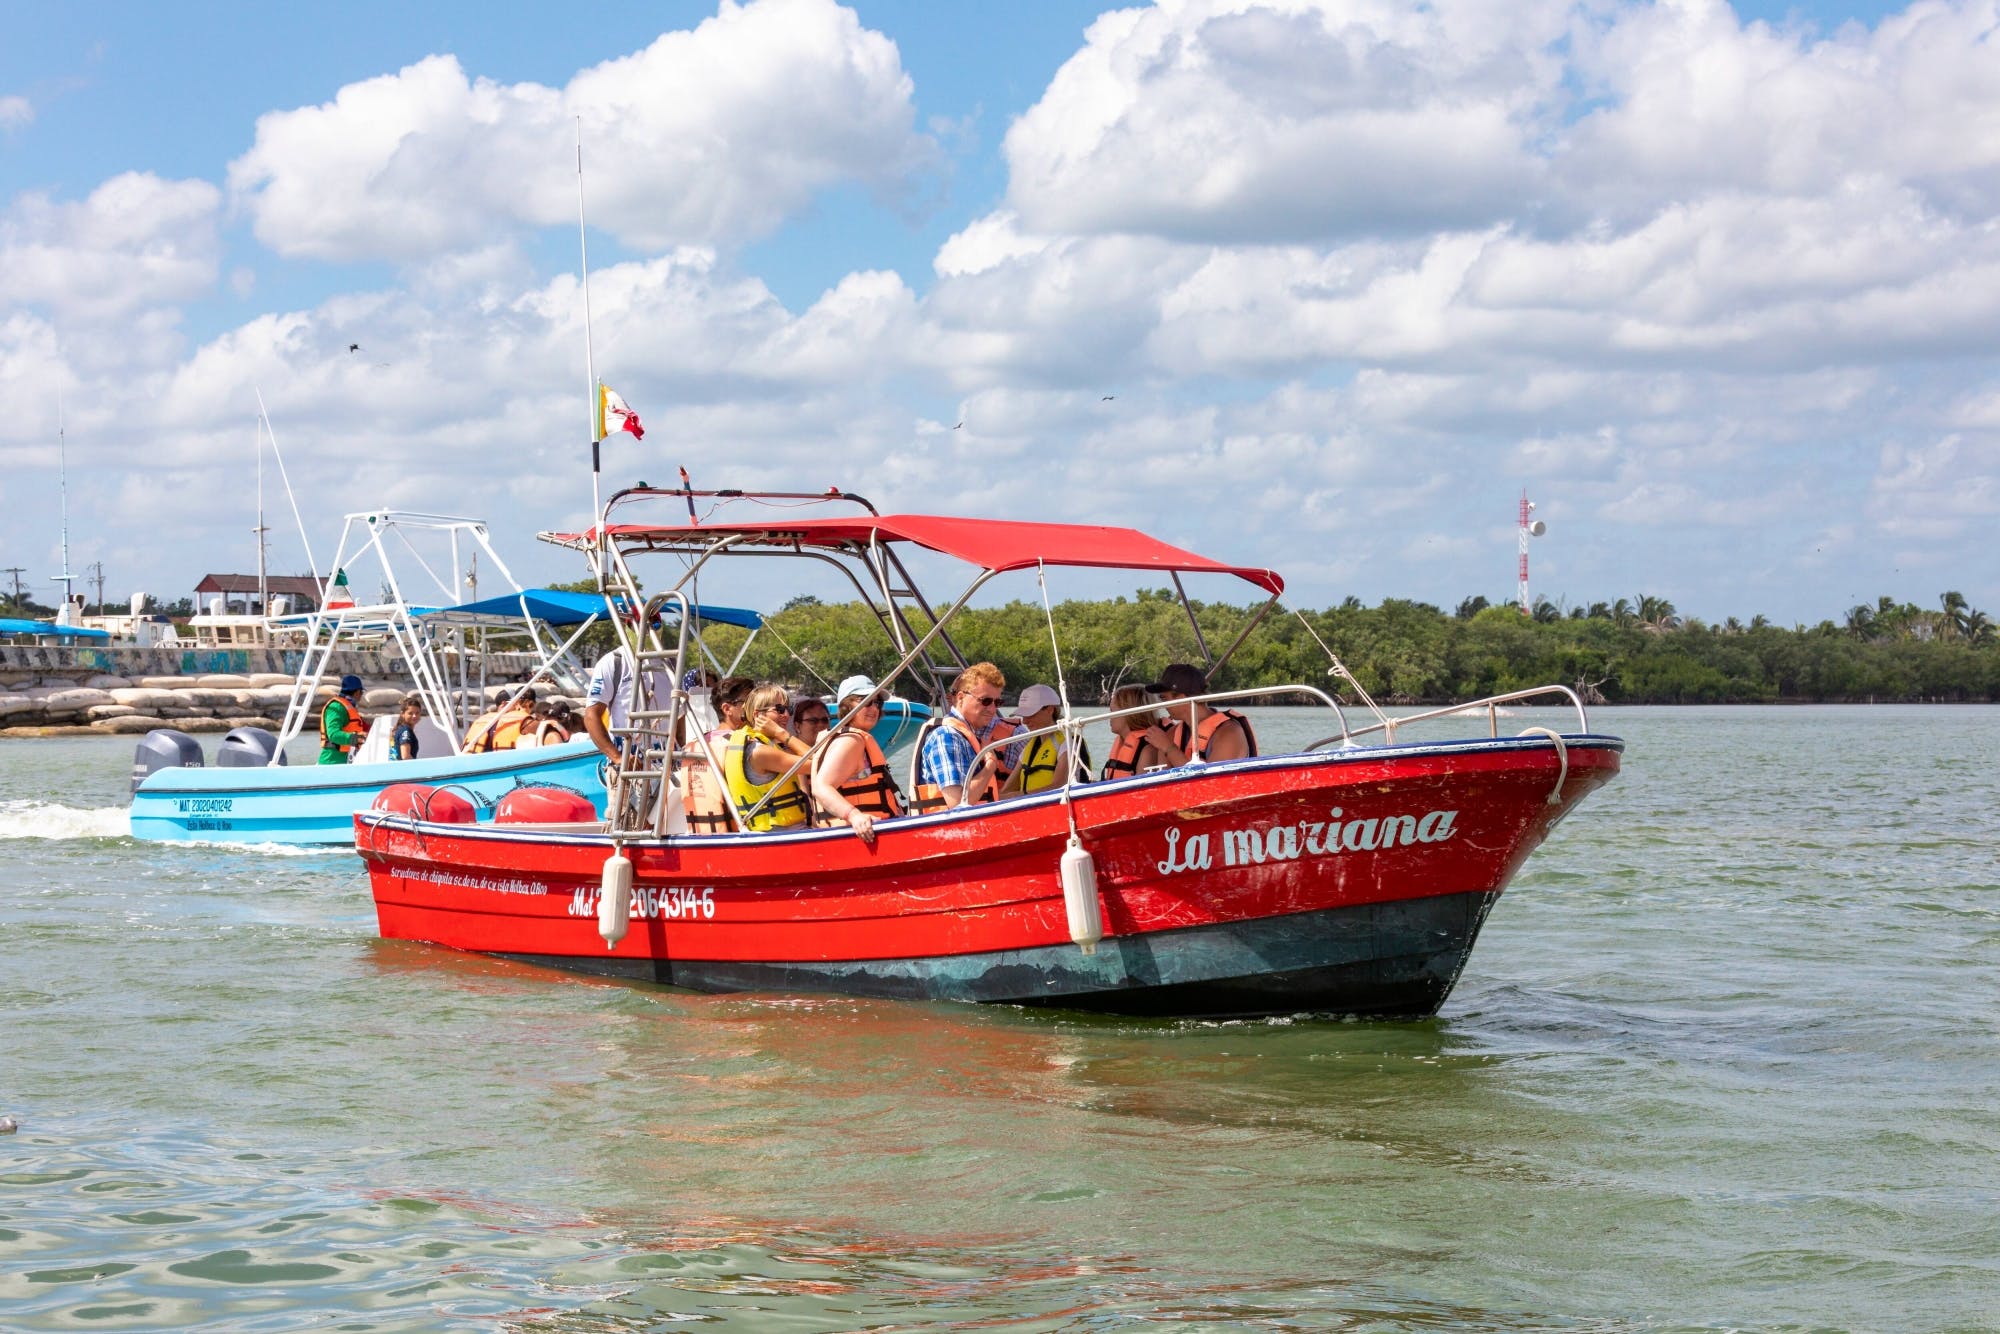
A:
(1205, 733)
(702, 797)
(872, 790)
(930, 797)
(1124, 761)
(353, 723)
(498, 730)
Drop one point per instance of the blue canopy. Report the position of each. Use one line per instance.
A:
(557, 607)
(12, 626)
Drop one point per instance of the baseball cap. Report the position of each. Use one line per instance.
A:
(853, 686)
(350, 685)
(1036, 698)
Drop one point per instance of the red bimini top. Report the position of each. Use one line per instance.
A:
(997, 545)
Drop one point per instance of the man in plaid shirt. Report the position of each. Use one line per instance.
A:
(947, 757)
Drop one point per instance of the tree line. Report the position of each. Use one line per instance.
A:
(1630, 651)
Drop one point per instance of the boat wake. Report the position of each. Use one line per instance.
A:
(47, 819)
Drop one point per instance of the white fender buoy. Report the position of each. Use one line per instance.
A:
(614, 899)
(1079, 882)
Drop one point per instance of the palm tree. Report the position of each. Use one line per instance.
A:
(1979, 628)
(1861, 621)
(1600, 611)
(1957, 612)
(1546, 611)
(1760, 622)
(1621, 612)
(1657, 614)
(1732, 626)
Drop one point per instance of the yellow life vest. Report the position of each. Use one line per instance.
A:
(787, 806)
(1038, 763)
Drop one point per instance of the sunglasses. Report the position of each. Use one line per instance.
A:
(988, 700)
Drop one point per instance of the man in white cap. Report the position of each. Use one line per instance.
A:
(1042, 761)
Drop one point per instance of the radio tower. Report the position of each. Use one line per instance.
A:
(1530, 527)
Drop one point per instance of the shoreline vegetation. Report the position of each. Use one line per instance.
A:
(1412, 653)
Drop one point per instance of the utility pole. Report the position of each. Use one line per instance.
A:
(16, 571)
(96, 572)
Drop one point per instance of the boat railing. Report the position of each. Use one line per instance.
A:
(1490, 705)
(1072, 728)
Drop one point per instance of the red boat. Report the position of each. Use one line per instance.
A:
(1350, 878)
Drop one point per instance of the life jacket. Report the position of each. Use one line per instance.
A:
(1205, 734)
(788, 807)
(1038, 763)
(1124, 761)
(326, 740)
(707, 812)
(498, 730)
(871, 790)
(930, 797)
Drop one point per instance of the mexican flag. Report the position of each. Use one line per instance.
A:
(614, 414)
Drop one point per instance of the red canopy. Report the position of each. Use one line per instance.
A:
(991, 544)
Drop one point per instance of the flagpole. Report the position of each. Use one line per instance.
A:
(594, 393)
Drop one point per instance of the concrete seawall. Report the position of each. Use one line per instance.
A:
(65, 691)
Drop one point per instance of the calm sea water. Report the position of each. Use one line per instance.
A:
(1727, 1057)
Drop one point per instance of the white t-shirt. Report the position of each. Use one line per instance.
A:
(613, 684)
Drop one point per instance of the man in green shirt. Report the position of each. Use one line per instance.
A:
(342, 729)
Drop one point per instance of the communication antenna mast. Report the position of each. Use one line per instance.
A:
(66, 579)
(1530, 527)
(263, 577)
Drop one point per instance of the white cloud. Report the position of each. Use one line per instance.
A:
(137, 240)
(1286, 120)
(15, 112)
(711, 136)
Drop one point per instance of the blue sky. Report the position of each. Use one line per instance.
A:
(1713, 284)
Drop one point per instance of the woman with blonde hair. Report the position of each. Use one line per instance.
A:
(1139, 742)
(757, 759)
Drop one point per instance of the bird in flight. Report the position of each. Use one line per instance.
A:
(354, 347)
(1107, 398)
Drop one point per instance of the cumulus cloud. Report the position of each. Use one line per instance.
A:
(15, 112)
(137, 240)
(1220, 120)
(710, 136)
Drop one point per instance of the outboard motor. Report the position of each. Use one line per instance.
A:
(248, 748)
(164, 748)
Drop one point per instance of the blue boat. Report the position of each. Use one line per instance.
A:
(253, 795)
(315, 804)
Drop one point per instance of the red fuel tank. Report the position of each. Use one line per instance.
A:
(544, 805)
(426, 803)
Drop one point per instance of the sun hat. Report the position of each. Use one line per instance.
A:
(853, 686)
(350, 685)
(1034, 699)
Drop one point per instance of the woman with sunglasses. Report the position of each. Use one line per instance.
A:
(852, 784)
(758, 758)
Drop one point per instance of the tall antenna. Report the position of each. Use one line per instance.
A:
(590, 398)
(263, 579)
(286, 477)
(1530, 527)
(66, 579)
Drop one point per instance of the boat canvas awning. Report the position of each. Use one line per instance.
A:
(48, 629)
(995, 545)
(562, 607)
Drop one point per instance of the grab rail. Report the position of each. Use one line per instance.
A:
(1076, 725)
(1490, 704)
